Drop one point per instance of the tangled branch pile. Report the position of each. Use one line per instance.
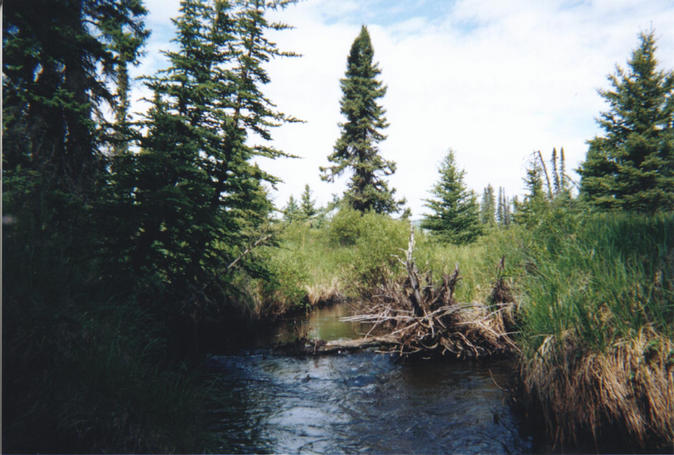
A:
(421, 318)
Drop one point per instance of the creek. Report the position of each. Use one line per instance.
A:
(364, 402)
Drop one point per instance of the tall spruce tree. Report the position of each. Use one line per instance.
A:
(455, 213)
(631, 167)
(488, 206)
(356, 149)
(195, 172)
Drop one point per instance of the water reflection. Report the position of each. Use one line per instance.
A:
(321, 324)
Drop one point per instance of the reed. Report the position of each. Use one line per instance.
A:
(597, 313)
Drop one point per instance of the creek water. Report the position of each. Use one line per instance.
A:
(363, 402)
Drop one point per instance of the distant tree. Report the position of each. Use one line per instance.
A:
(455, 215)
(503, 208)
(488, 206)
(292, 211)
(535, 200)
(356, 149)
(631, 167)
(308, 206)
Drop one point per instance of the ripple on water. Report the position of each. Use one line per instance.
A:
(363, 402)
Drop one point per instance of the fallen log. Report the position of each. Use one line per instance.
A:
(321, 347)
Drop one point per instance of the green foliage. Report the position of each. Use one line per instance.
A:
(599, 278)
(113, 246)
(631, 167)
(488, 207)
(308, 206)
(356, 148)
(378, 249)
(292, 211)
(503, 210)
(199, 199)
(455, 216)
(345, 227)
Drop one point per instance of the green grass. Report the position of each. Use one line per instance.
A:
(599, 278)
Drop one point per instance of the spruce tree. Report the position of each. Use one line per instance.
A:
(455, 214)
(631, 167)
(292, 211)
(196, 171)
(308, 206)
(535, 200)
(488, 206)
(356, 149)
(503, 208)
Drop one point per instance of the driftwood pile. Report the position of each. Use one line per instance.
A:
(417, 318)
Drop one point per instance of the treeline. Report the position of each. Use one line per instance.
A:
(124, 234)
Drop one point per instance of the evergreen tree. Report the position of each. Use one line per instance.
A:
(455, 213)
(292, 211)
(308, 206)
(195, 173)
(488, 207)
(631, 167)
(356, 149)
(503, 208)
(535, 199)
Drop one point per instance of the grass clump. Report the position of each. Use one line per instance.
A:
(596, 327)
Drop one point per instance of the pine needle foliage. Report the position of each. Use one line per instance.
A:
(356, 149)
(455, 213)
(631, 167)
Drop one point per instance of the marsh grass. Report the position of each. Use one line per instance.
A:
(597, 315)
(352, 254)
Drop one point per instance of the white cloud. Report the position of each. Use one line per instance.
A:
(521, 77)
(493, 80)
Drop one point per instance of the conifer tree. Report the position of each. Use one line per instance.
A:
(356, 149)
(308, 206)
(631, 167)
(488, 206)
(292, 211)
(455, 215)
(197, 153)
(535, 199)
(503, 208)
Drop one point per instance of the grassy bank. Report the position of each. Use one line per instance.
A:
(597, 313)
(349, 255)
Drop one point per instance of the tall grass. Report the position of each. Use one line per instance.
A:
(598, 278)
(597, 314)
(353, 252)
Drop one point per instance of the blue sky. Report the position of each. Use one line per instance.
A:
(492, 79)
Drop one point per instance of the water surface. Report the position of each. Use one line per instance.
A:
(362, 402)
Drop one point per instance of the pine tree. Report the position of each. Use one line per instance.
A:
(356, 149)
(503, 208)
(292, 211)
(308, 206)
(455, 215)
(631, 167)
(535, 200)
(197, 155)
(488, 206)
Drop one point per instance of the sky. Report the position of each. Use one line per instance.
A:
(493, 80)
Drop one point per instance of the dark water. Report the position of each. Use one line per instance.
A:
(362, 402)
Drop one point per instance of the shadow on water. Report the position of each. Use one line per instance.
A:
(362, 402)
